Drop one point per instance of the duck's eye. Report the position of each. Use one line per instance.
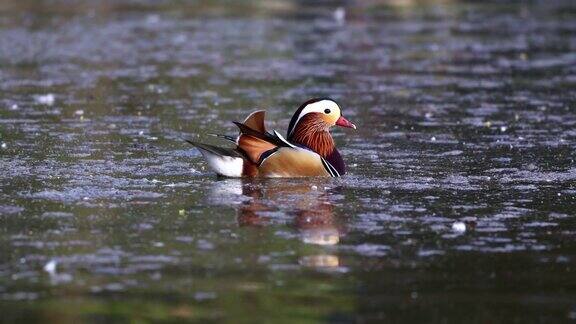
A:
(326, 111)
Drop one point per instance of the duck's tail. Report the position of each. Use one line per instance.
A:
(227, 162)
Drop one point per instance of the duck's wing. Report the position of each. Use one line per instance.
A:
(254, 140)
(256, 121)
(295, 162)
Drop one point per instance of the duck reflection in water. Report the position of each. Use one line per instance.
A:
(305, 204)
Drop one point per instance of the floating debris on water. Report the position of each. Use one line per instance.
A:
(47, 99)
(50, 267)
(459, 227)
(340, 15)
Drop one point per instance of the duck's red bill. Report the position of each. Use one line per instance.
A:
(343, 122)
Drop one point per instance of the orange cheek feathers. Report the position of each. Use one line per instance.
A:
(328, 119)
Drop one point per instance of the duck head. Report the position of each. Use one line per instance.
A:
(310, 125)
(320, 113)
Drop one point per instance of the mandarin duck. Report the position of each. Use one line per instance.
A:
(307, 151)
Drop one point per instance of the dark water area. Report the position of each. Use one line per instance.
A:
(459, 205)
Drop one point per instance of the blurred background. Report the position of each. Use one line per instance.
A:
(459, 204)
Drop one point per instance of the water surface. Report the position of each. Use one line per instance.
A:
(459, 205)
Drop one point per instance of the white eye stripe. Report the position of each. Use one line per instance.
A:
(318, 106)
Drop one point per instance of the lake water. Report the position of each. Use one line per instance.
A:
(459, 205)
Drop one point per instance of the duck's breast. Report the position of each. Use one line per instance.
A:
(335, 159)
